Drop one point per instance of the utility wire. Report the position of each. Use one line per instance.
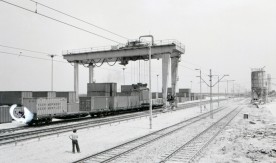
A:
(28, 56)
(33, 51)
(79, 19)
(35, 12)
(32, 57)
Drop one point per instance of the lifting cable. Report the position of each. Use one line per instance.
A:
(112, 64)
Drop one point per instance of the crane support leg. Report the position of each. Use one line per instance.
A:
(76, 80)
(174, 74)
(165, 74)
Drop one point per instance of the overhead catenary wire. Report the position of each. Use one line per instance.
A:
(62, 22)
(81, 20)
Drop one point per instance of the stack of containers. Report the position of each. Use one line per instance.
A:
(101, 89)
(72, 106)
(5, 114)
(14, 97)
(49, 94)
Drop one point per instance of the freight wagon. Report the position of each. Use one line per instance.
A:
(44, 109)
(101, 105)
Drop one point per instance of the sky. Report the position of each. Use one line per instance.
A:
(229, 37)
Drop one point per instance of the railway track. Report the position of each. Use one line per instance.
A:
(38, 133)
(190, 150)
(26, 134)
(123, 149)
(82, 120)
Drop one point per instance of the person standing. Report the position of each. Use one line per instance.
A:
(74, 138)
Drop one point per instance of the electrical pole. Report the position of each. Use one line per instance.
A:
(52, 73)
(233, 89)
(150, 101)
(124, 75)
(157, 85)
(211, 93)
(211, 98)
(191, 85)
(218, 90)
(200, 101)
(227, 91)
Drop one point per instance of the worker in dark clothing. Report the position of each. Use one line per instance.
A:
(171, 99)
(74, 138)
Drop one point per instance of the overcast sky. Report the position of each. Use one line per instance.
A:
(230, 37)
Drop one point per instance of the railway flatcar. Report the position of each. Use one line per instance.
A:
(43, 110)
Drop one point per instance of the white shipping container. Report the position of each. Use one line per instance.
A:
(133, 101)
(119, 102)
(46, 106)
(101, 104)
(73, 107)
(158, 101)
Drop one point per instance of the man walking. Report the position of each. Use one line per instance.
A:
(74, 138)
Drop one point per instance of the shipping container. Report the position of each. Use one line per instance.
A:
(158, 101)
(123, 93)
(48, 94)
(154, 95)
(133, 101)
(160, 95)
(182, 94)
(5, 116)
(169, 90)
(85, 104)
(73, 107)
(126, 88)
(14, 97)
(101, 94)
(183, 99)
(186, 90)
(102, 87)
(119, 103)
(94, 104)
(71, 96)
(46, 106)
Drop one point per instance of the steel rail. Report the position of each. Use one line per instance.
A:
(15, 137)
(217, 124)
(56, 130)
(156, 136)
(15, 129)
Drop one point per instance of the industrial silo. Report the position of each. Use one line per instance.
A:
(258, 85)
